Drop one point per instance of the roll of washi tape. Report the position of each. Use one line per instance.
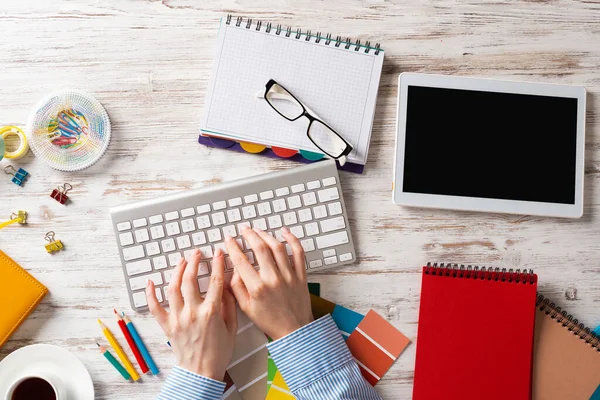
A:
(23, 145)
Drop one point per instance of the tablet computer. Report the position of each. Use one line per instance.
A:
(489, 145)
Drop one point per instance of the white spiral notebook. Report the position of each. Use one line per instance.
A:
(336, 78)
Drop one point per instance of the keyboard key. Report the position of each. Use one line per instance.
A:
(138, 223)
(156, 219)
(298, 188)
(123, 226)
(152, 249)
(236, 201)
(249, 212)
(234, 215)
(206, 251)
(345, 257)
(266, 195)
(294, 202)
(315, 264)
(173, 215)
(284, 191)
(250, 257)
(330, 260)
(203, 268)
(174, 259)
(214, 235)
(188, 254)
(288, 249)
(312, 229)
(279, 205)
(290, 218)
(308, 245)
(172, 228)
(222, 247)
(141, 235)
(279, 235)
(168, 245)
(313, 185)
(335, 208)
(305, 215)
(203, 284)
(297, 231)
(319, 212)
(309, 198)
(328, 194)
(198, 238)
(138, 267)
(274, 221)
(334, 239)
(159, 295)
(264, 208)
(242, 225)
(157, 232)
(219, 218)
(168, 275)
(204, 208)
(160, 262)
(183, 242)
(240, 243)
(333, 224)
(139, 282)
(139, 299)
(229, 230)
(126, 238)
(260, 224)
(251, 198)
(219, 205)
(133, 253)
(187, 225)
(187, 212)
(329, 253)
(328, 182)
(203, 222)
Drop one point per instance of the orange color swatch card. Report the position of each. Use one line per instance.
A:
(376, 344)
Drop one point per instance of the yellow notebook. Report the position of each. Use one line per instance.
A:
(20, 293)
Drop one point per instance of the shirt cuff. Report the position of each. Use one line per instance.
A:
(183, 384)
(310, 353)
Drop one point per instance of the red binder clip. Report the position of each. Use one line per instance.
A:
(60, 193)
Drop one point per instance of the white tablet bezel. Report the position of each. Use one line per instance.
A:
(477, 203)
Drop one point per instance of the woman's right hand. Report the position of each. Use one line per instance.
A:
(276, 297)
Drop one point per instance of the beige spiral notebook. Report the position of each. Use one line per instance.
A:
(566, 356)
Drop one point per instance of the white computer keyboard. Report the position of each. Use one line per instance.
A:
(153, 235)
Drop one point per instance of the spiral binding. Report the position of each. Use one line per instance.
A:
(568, 322)
(483, 273)
(338, 41)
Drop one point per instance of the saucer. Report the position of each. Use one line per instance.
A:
(37, 358)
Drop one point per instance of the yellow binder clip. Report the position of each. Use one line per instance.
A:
(20, 217)
(53, 245)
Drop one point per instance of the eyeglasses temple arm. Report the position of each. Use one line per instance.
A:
(283, 96)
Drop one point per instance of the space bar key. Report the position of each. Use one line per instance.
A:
(334, 239)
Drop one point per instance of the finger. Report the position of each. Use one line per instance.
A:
(189, 285)
(160, 314)
(241, 263)
(262, 252)
(279, 254)
(230, 312)
(297, 253)
(174, 290)
(215, 288)
(239, 290)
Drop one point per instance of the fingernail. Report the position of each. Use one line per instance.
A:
(148, 283)
(228, 237)
(285, 229)
(197, 252)
(218, 252)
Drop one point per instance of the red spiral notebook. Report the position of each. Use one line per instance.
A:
(475, 335)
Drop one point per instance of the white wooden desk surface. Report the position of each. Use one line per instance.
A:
(149, 63)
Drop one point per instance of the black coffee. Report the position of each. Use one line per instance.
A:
(34, 389)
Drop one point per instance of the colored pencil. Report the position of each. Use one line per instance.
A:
(117, 348)
(132, 344)
(140, 345)
(114, 362)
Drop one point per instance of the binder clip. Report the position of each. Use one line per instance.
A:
(60, 193)
(53, 245)
(20, 217)
(19, 176)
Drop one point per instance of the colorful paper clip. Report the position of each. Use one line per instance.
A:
(60, 193)
(53, 245)
(20, 217)
(19, 176)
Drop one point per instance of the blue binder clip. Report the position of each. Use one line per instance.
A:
(19, 176)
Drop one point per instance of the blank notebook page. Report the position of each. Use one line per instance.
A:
(340, 85)
(475, 336)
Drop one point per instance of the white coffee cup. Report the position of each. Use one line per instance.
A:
(57, 384)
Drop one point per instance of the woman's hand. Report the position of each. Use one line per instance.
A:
(202, 331)
(276, 298)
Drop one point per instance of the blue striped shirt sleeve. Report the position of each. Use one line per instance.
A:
(185, 385)
(316, 364)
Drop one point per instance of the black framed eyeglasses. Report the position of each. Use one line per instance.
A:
(320, 134)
